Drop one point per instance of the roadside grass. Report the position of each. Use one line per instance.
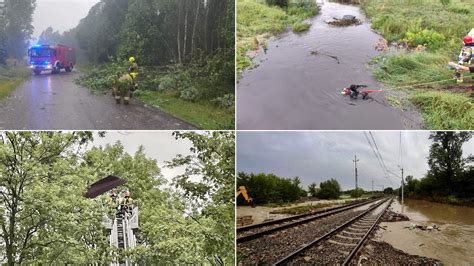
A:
(424, 75)
(186, 92)
(201, 114)
(304, 209)
(11, 78)
(256, 22)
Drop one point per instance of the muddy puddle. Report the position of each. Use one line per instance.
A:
(452, 244)
(298, 81)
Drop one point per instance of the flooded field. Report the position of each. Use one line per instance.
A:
(452, 244)
(298, 81)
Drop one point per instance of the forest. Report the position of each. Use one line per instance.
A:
(185, 51)
(450, 177)
(45, 218)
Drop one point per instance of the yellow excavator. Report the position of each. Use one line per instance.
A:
(243, 191)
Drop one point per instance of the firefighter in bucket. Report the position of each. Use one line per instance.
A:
(126, 84)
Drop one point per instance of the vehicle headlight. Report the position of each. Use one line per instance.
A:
(49, 66)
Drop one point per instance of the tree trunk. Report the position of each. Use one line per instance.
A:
(185, 28)
(193, 40)
(179, 35)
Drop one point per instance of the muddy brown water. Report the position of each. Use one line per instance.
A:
(453, 244)
(49, 102)
(298, 81)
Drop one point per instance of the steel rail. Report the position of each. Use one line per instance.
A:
(334, 231)
(249, 237)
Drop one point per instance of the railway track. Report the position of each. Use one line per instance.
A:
(340, 245)
(251, 232)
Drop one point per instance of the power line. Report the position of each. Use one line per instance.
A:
(375, 153)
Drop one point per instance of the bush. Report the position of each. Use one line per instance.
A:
(445, 2)
(269, 188)
(329, 189)
(357, 193)
(301, 26)
(189, 94)
(430, 38)
(225, 101)
(280, 3)
(459, 9)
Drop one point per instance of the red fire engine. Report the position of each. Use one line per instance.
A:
(52, 57)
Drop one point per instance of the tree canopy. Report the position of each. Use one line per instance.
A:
(269, 188)
(450, 175)
(46, 219)
(16, 28)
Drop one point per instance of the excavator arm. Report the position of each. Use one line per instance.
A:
(243, 191)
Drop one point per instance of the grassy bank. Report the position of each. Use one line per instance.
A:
(186, 92)
(439, 26)
(257, 21)
(11, 78)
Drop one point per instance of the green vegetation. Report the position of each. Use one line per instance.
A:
(185, 51)
(450, 177)
(10, 78)
(257, 21)
(357, 193)
(47, 220)
(269, 188)
(306, 208)
(329, 189)
(439, 26)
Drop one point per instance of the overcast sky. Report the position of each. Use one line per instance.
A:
(62, 15)
(159, 145)
(318, 156)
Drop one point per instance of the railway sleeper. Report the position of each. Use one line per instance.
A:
(352, 229)
(341, 244)
(352, 234)
(348, 237)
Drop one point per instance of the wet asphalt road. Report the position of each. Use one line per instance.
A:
(54, 102)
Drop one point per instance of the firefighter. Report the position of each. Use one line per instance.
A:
(465, 57)
(126, 202)
(126, 84)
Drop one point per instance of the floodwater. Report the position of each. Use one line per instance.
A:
(453, 244)
(298, 81)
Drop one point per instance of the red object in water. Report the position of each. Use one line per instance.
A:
(370, 91)
(467, 39)
(52, 57)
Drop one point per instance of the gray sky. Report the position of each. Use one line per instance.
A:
(62, 15)
(318, 156)
(159, 145)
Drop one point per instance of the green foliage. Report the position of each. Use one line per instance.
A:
(450, 174)
(16, 28)
(257, 20)
(269, 188)
(48, 221)
(329, 189)
(212, 158)
(357, 193)
(445, 2)
(280, 3)
(445, 110)
(388, 190)
(460, 8)
(313, 190)
(429, 38)
(300, 26)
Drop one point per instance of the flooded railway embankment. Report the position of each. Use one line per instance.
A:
(452, 244)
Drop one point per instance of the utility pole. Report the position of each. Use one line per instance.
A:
(403, 183)
(355, 166)
(372, 186)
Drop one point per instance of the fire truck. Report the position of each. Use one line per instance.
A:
(52, 58)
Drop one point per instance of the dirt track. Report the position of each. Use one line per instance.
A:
(49, 102)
